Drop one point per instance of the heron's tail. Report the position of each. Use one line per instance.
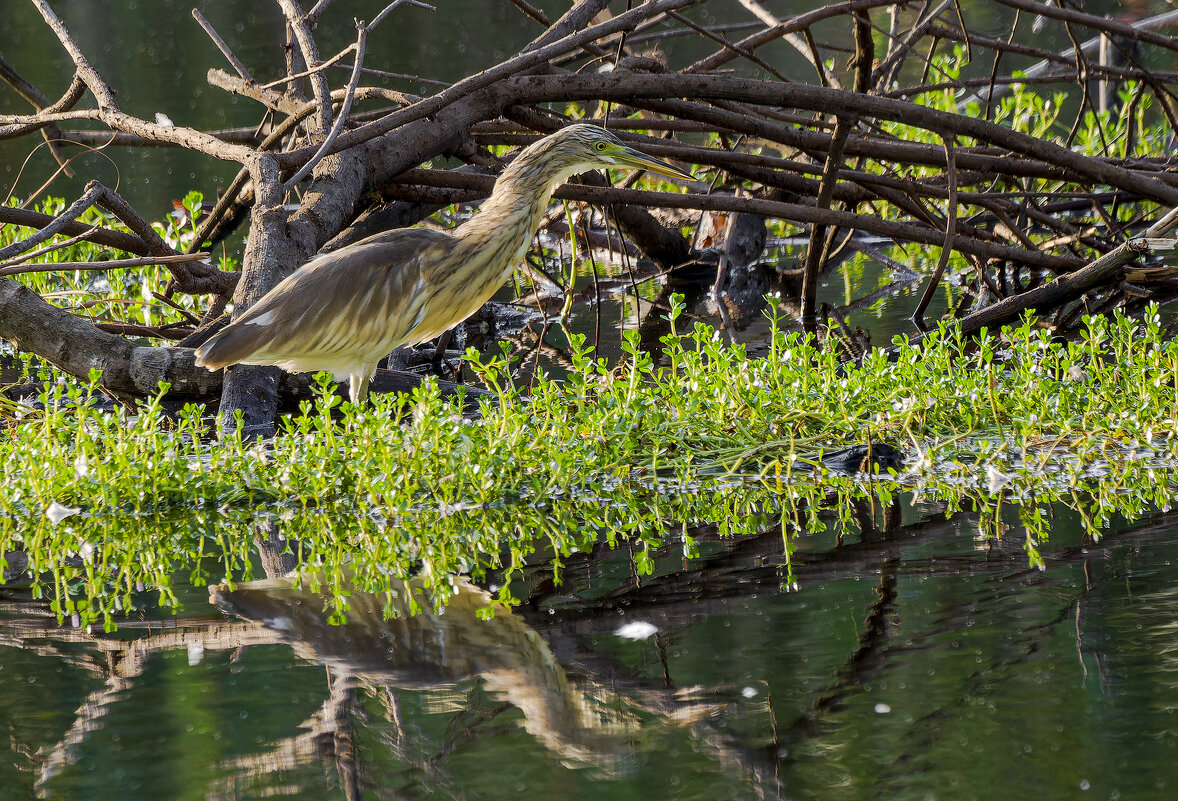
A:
(228, 346)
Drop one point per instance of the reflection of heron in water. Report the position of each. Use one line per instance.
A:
(429, 650)
(582, 723)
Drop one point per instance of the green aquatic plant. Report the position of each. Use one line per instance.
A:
(627, 455)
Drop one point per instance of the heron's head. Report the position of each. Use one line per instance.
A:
(579, 148)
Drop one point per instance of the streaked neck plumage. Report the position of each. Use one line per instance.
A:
(508, 219)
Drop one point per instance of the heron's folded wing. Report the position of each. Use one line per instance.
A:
(344, 302)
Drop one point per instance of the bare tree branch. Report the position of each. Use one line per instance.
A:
(842, 168)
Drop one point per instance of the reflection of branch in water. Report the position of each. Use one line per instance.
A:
(738, 568)
(120, 661)
(326, 734)
(528, 339)
(342, 707)
(576, 719)
(43, 637)
(864, 515)
(392, 706)
(864, 663)
(1094, 650)
(744, 567)
(463, 726)
(399, 744)
(868, 659)
(89, 719)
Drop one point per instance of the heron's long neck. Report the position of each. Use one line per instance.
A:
(508, 219)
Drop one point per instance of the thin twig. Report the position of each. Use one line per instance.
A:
(38, 100)
(317, 11)
(114, 264)
(171, 331)
(792, 25)
(309, 71)
(804, 44)
(220, 43)
(94, 82)
(361, 41)
(50, 248)
(393, 5)
(950, 234)
(885, 73)
(75, 209)
(720, 40)
(400, 76)
(185, 313)
(522, 62)
(319, 86)
(532, 12)
(362, 30)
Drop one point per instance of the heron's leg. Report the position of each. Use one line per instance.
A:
(358, 387)
(443, 343)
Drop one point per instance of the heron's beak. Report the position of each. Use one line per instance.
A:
(629, 157)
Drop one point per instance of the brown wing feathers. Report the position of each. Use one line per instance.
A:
(361, 288)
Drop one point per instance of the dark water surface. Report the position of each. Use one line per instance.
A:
(915, 661)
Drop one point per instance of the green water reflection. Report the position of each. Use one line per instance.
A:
(916, 661)
(156, 56)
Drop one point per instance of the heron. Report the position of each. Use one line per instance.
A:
(343, 311)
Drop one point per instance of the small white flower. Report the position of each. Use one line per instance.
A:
(749, 692)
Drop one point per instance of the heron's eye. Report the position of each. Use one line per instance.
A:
(600, 147)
